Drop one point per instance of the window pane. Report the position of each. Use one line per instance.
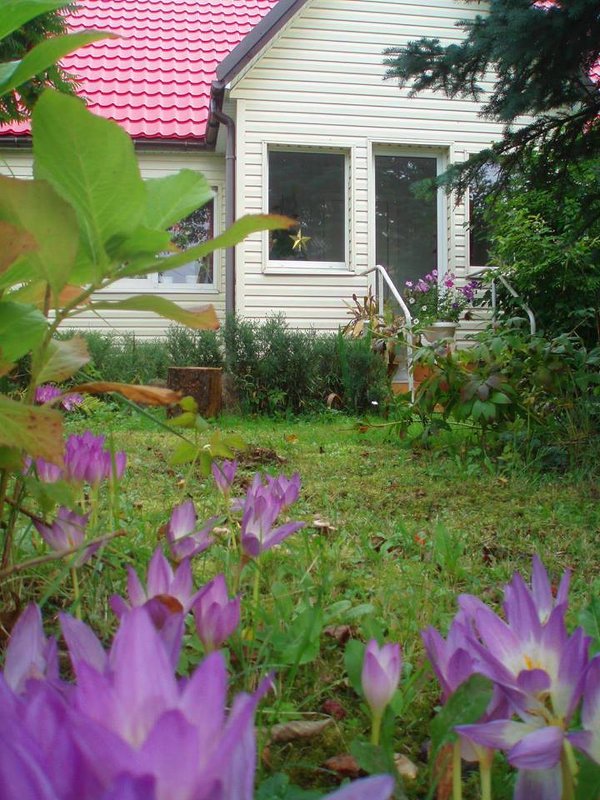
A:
(479, 232)
(309, 187)
(406, 224)
(196, 228)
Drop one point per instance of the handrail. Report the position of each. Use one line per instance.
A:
(511, 290)
(382, 275)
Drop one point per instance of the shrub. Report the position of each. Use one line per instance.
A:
(189, 348)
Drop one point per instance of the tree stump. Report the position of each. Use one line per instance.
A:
(204, 384)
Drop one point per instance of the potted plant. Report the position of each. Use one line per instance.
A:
(436, 304)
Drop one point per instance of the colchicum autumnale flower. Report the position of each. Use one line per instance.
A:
(66, 533)
(262, 506)
(128, 729)
(184, 541)
(215, 615)
(224, 475)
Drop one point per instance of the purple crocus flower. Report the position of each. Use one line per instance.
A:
(224, 475)
(215, 615)
(184, 541)
(30, 655)
(86, 459)
(380, 675)
(588, 739)
(262, 506)
(46, 393)
(45, 471)
(67, 533)
(286, 489)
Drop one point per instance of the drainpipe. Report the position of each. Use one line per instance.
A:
(230, 161)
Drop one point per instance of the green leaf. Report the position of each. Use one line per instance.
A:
(465, 706)
(15, 13)
(173, 197)
(589, 619)
(376, 761)
(354, 655)
(37, 431)
(21, 329)
(49, 495)
(588, 780)
(45, 54)
(91, 163)
(251, 223)
(185, 420)
(202, 318)
(185, 452)
(188, 403)
(142, 242)
(300, 644)
(64, 357)
(14, 244)
(235, 441)
(35, 207)
(278, 787)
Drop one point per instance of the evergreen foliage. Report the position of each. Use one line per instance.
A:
(543, 55)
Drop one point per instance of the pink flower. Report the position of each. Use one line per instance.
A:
(380, 675)
(215, 615)
(183, 540)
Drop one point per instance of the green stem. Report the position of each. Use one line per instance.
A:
(456, 772)
(376, 729)
(255, 597)
(569, 769)
(76, 595)
(485, 776)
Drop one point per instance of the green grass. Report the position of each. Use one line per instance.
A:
(406, 531)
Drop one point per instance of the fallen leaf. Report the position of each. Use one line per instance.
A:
(345, 765)
(334, 400)
(148, 395)
(334, 709)
(341, 633)
(298, 729)
(291, 438)
(323, 525)
(405, 767)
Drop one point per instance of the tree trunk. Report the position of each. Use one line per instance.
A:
(204, 384)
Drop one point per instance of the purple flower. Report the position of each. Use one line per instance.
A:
(409, 284)
(45, 471)
(183, 540)
(380, 675)
(29, 654)
(262, 506)
(87, 460)
(224, 475)
(449, 281)
(71, 401)
(215, 615)
(67, 533)
(46, 393)
(421, 286)
(286, 489)
(379, 787)
(588, 740)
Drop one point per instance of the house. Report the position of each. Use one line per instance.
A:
(283, 105)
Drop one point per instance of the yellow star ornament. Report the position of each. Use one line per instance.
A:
(299, 242)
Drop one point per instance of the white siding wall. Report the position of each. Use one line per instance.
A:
(320, 83)
(153, 164)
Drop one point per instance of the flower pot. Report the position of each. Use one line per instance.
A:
(439, 330)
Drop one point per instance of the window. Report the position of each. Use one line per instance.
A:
(406, 221)
(196, 228)
(311, 188)
(479, 231)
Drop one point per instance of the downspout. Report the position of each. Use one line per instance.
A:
(230, 163)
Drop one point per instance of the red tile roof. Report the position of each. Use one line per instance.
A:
(155, 79)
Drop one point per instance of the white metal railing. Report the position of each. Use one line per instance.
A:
(383, 278)
(496, 275)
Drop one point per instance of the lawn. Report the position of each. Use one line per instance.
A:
(393, 534)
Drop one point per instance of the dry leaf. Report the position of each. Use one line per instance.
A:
(344, 765)
(298, 729)
(334, 400)
(334, 709)
(15, 242)
(341, 633)
(291, 438)
(148, 395)
(405, 767)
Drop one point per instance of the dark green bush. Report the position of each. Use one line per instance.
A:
(188, 348)
(126, 358)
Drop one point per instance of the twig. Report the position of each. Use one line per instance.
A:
(34, 562)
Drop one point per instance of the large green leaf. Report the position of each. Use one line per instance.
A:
(44, 55)
(251, 223)
(202, 318)
(64, 357)
(16, 13)
(91, 163)
(465, 706)
(35, 207)
(21, 329)
(14, 243)
(173, 197)
(38, 431)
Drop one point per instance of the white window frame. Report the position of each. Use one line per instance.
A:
(152, 285)
(442, 153)
(292, 267)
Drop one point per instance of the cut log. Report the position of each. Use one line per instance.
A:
(204, 384)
